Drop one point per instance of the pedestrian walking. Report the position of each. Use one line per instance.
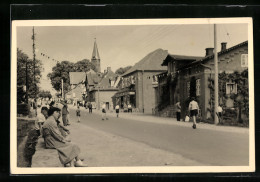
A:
(65, 114)
(90, 107)
(193, 108)
(219, 114)
(104, 112)
(78, 113)
(117, 110)
(178, 111)
(129, 107)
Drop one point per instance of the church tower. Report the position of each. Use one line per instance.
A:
(95, 59)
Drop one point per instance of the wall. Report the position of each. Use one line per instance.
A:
(78, 91)
(145, 93)
(105, 96)
(24, 125)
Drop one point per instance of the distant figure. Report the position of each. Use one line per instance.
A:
(193, 108)
(178, 111)
(117, 110)
(219, 114)
(78, 113)
(41, 118)
(129, 107)
(65, 114)
(90, 107)
(104, 112)
(51, 105)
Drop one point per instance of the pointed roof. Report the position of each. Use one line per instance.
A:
(77, 77)
(107, 78)
(151, 62)
(95, 54)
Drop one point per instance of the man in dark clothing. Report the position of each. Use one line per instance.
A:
(65, 114)
(90, 107)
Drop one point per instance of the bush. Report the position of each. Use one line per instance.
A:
(23, 109)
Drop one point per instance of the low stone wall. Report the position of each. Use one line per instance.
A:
(27, 138)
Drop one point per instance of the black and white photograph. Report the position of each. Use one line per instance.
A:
(132, 96)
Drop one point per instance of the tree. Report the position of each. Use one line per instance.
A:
(62, 70)
(45, 94)
(22, 62)
(84, 66)
(121, 70)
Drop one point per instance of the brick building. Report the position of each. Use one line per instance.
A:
(192, 77)
(100, 88)
(136, 85)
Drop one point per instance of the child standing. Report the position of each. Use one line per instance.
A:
(104, 112)
(117, 110)
(78, 113)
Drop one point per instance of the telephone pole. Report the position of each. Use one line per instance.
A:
(34, 81)
(216, 75)
(62, 95)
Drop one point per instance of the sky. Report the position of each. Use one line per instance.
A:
(124, 45)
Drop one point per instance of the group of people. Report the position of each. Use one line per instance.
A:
(55, 136)
(193, 109)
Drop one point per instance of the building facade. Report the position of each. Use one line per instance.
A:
(195, 78)
(100, 88)
(136, 85)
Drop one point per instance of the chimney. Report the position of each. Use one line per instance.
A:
(223, 46)
(108, 69)
(209, 51)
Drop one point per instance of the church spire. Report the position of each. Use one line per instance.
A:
(95, 57)
(95, 54)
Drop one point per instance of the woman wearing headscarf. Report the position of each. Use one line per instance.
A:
(53, 139)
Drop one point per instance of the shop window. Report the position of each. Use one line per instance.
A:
(198, 87)
(231, 88)
(244, 60)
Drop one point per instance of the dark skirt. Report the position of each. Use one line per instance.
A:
(117, 110)
(103, 111)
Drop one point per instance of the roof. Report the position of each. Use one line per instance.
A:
(219, 54)
(93, 78)
(77, 77)
(151, 62)
(107, 77)
(179, 58)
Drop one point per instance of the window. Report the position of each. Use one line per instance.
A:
(198, 87)
(188, 89)
(231, 88)
(244, 61)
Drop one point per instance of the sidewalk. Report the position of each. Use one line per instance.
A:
(101, 149)
(170, 121)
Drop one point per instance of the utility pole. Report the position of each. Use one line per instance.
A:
(34, 82)
(26, 81)
(62, 89)
(143, 90)
(216, 75)
(98, 99)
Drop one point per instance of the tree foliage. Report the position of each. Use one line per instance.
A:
(33, 88)
(121, 70)
(62, 69)
(45, 94)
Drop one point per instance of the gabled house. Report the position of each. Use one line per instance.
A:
(101, 88)
(136, 85)
(77, 86)
(194, 77)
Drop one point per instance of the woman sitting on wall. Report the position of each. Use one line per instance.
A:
(53, 139)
